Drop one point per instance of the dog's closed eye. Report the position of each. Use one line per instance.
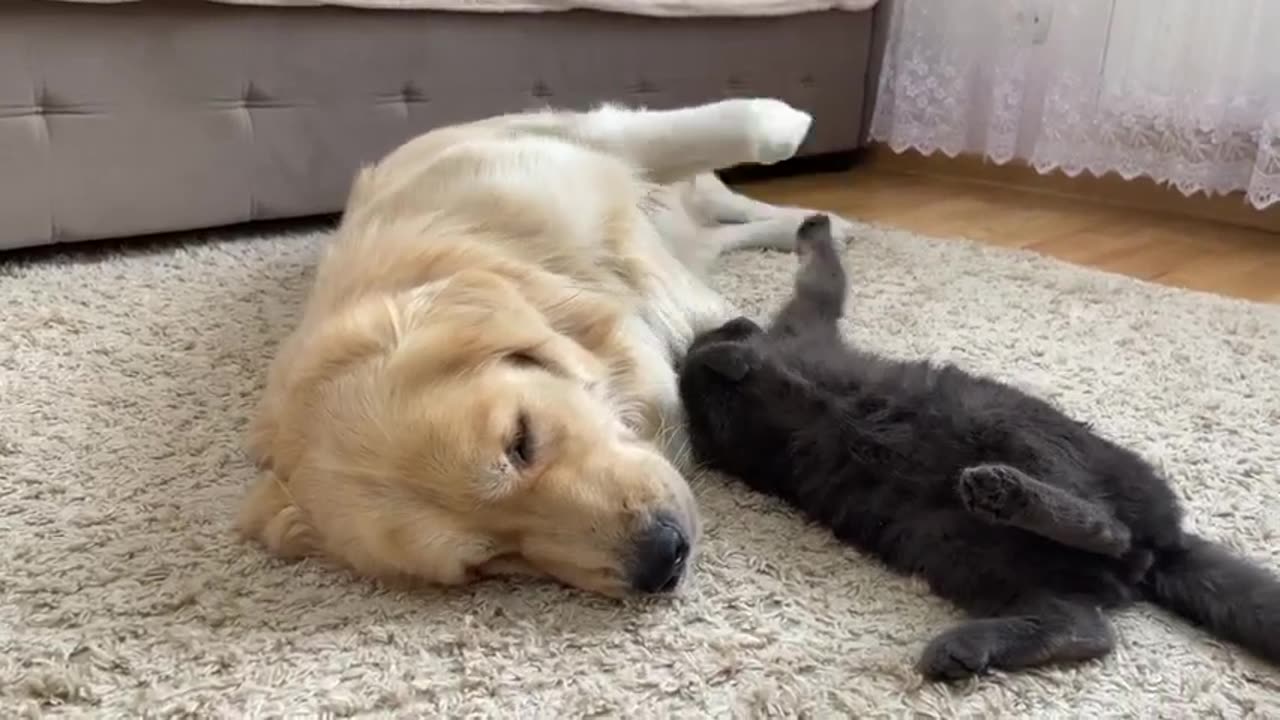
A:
(521, 444)
(525, 359)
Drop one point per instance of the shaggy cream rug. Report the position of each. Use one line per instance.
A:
(126, 376)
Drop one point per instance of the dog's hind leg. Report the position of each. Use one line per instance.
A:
(1005, 495)
(1039, 631)
(674, 145)
(715, 203)
(777, 233)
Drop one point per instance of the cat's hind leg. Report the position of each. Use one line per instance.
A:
(1005, 495)
(817, 301)
(1039, 631)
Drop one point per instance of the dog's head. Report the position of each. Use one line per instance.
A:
(455, 430)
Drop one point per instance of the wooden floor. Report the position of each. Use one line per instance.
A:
(1161, 247)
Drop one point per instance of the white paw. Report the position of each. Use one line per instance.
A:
(776, 129)
(842, 230)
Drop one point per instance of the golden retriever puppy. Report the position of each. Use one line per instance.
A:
(482, 379)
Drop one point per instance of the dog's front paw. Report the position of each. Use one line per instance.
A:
(776, 129)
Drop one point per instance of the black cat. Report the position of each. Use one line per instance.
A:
(1023, 517)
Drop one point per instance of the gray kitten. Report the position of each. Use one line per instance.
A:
(1025, 518)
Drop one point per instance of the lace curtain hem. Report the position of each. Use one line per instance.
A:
(971, 81)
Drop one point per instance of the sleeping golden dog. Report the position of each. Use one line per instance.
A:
(482, 379)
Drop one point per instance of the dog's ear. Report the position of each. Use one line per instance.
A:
(477, 317)
(592, 319)
(731, 362)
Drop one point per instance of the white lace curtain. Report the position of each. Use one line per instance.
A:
(1186, 92)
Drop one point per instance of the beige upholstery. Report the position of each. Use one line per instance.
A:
(126, 119)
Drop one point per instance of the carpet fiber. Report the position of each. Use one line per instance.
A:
(126, 377)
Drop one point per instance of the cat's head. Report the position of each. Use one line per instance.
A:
(741, 401)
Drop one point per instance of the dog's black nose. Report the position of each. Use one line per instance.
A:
(661, 552)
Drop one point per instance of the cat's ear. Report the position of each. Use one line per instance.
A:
(731, 362)
(740, 328)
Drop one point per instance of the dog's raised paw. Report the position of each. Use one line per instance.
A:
(776, 129)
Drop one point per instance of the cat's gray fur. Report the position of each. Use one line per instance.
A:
(1025, 518)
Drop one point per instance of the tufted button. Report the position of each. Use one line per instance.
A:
(643, 87)
(540, 89)
(253, 95)
(411, 93)
(808, 80)
(41, 100)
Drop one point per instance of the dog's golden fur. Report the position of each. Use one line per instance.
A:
(481, 382)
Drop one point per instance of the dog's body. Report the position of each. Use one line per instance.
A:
(482, 380)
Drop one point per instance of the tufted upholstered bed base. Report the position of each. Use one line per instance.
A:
(119, 120)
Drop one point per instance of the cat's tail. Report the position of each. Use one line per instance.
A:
(1213, 587)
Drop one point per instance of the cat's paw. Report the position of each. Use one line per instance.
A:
(813, 237)
(955, 655)
(775, 128)
(826, 224)
(992, 491)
